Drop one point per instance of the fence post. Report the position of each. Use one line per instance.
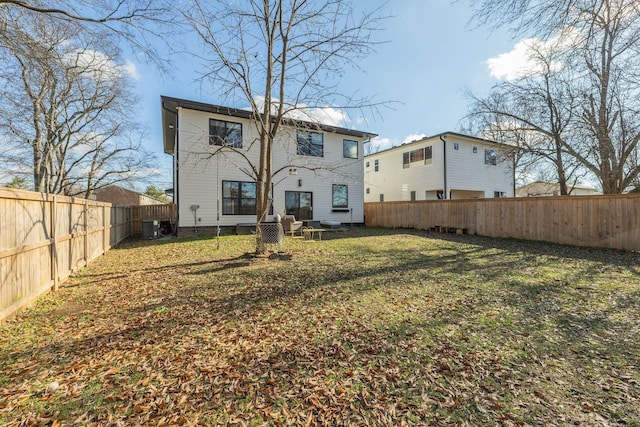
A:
(54, 242)
(104, 230)
(86, 234)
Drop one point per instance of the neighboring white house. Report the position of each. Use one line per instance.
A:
(545, 188)
(317, 169)
(445, 166)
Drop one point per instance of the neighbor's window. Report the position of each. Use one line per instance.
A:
(490, 157)
(499, 194)
(420, 155)
(368, 190)
(456, 146)
(340, 196)
(475, 150)
(310, 143)
(238, 198)
(375, 165)
(366, 165)
(349, 149)
(225, 133)
(428, 153)
(413, 196)
(382, 197)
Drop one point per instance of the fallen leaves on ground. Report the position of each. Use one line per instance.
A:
(372, 327)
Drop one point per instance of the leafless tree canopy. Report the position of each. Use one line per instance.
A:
(582, 107)
(137, 23)
(65, 106)
(284, 58)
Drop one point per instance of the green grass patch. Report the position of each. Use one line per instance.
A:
(367, 327)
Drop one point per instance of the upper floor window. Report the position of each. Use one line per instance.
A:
(376, 165)
(366, 165)
(349, 149)
(490, 157)
(456, 146)
(310, 143)
(420, 155)
(225, 133)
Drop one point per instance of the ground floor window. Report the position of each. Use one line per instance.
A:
(340, 196)
(238, 198)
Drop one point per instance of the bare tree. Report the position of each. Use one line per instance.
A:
(604, 58)
(534, 115)
(284, 58)
(67, 107)
(135, 22)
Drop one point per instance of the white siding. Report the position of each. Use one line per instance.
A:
(396, 182)
(200, 180)
(467, 174)
(467, 170)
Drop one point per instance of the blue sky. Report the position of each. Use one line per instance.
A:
(432, 53)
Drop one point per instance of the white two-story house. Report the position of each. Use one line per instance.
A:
(317, 170)
(445, 166)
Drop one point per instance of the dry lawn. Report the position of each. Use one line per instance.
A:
(369, 327)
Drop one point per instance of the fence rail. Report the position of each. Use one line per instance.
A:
(45, 238)
(160, 212)
(595, 221)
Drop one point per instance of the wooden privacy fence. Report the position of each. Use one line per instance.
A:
(595, 221)
(160, 212)
(45, 238)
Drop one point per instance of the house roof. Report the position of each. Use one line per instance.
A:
(443, 135)
(169, 119)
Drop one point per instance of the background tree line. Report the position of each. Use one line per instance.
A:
(67, 110)
(575, 110)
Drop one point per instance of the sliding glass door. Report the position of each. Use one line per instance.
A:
(299, 203)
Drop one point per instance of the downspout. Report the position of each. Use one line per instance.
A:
(176, 175)
(176, 163)
(444, 157)
(513, 173)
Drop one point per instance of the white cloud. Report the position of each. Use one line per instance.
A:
(413, 137)
(100, 66)
(514, 64)
(528, 56)
(325, 115)
(379, 144)
(131, 70)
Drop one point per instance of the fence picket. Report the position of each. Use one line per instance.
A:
(45, 238)
(611, 221)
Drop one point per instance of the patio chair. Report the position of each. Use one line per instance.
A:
(290, 225)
